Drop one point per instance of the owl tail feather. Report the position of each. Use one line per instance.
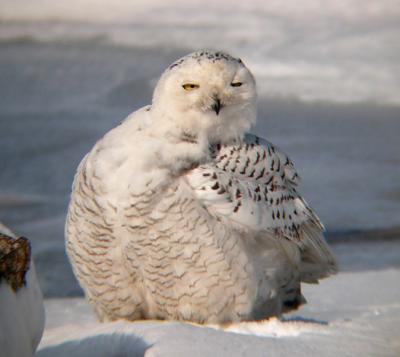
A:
(317, 259)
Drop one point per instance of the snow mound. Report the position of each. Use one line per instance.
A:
(275, 327)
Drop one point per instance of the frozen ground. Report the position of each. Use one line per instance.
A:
(356, 313)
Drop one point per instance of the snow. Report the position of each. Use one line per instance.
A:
(353, 329)
(354, 313)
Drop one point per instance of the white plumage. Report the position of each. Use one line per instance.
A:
(179, 214)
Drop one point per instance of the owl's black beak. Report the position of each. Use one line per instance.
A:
(217, 106)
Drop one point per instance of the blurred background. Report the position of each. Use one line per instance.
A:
(328, 75)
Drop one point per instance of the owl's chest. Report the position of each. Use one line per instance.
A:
(184, 253)
(173, 214)
(172, 225)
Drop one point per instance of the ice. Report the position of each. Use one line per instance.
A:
(336, 51)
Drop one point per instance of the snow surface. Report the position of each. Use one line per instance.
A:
(355, 313)
(352, 314)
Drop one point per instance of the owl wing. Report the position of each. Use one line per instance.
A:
(252, 186)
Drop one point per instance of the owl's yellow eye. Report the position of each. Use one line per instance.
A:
(190, 86)
(236, 84)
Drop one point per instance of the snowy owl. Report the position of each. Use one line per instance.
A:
(179, 213)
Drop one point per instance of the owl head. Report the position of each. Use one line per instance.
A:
(206, 94)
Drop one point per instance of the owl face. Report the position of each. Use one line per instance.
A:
(210, 93)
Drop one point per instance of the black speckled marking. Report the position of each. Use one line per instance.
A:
(216, 186)
(226, 165)
(213, 56)
(177, 63)
(221, 191)
(261, 174)
(264, 155)
(237, 207)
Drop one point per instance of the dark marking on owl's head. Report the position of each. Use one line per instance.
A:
(208, 55)
(177, 63)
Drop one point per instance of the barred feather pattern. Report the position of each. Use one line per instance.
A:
(155, 255)
(228, 240)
